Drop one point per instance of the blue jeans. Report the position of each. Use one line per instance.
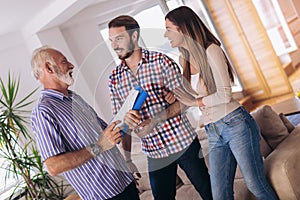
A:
(162, 173)
(234, 140)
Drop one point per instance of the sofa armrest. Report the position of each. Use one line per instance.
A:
(282, 167)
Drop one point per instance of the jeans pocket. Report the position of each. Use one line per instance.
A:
(234, 119)
(214, 134)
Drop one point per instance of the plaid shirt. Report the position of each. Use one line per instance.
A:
(157, 74)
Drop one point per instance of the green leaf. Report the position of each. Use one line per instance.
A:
(22, 158)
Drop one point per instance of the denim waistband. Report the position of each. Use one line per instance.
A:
(240, 109)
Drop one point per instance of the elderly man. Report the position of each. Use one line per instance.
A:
(72, 139)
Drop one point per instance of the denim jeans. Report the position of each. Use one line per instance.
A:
(162, 173)
(234, 140)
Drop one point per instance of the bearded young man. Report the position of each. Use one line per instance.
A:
(167, 136)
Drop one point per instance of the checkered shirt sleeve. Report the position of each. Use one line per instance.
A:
(157, 74)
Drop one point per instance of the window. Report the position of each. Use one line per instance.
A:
(152, 32)
(153, 29)
(276, 26)
(104, 33)
(174, 4)
(200, 9)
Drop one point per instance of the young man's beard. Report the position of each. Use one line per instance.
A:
(130, 51)
(66, 78)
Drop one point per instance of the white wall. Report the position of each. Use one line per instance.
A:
(94, 65)
(79, 39)
(93, 57)
(15, 58)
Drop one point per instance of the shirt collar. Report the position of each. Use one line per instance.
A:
(56, 94)
(145, 58)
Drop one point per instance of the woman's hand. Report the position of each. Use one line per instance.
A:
(146, 127)
(187, 98)
(170, 97)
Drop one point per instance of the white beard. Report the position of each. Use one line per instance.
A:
(66, 78)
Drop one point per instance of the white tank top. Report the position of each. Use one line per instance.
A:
(198, 85)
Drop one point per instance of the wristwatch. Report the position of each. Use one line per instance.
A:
(95, 149)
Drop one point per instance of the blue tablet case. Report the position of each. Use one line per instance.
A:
(137, 104)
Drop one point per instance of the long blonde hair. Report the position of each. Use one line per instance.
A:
(198, 38)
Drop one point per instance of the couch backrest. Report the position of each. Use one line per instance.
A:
(274, 128)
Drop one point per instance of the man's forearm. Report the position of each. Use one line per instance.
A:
(67, 161)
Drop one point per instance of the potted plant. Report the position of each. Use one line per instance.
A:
(17, 148)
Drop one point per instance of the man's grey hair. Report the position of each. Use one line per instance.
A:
(39, 57)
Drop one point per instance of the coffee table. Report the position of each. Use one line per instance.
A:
(288, 107)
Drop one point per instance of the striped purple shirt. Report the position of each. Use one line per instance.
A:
(67, 123)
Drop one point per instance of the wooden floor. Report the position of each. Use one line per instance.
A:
(294, 79)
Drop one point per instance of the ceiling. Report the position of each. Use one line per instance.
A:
(22, 19)
(34, 15)
(31, 16)
(15, 14)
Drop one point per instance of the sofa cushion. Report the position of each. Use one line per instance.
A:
(271, 126)
(290, 127)
(283, 165)
(265, 148)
